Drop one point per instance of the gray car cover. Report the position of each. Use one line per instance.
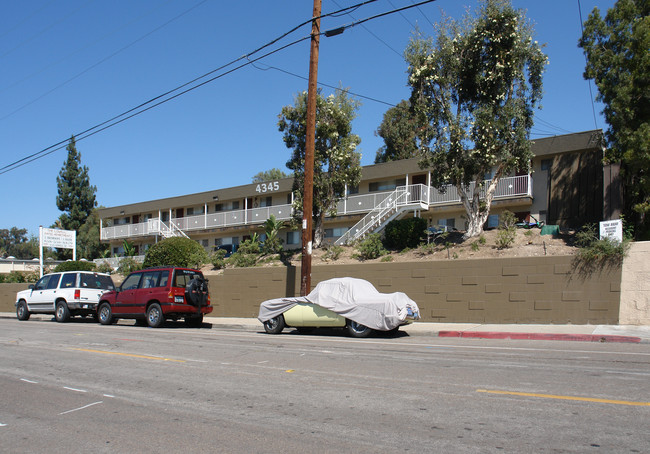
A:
(354, 299)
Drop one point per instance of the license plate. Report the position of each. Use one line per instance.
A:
(178, 299)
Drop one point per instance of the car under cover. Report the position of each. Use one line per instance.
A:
(355, 299)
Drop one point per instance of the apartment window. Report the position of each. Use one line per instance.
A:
(293, 237)
(388, 185)
(336, 232)
(493, 221)
(353, 190)
(235, 205)
(165, 216)
(122, 221)
(451, 222)
(195, 211)
(546, 164)
(205, 243)
(266, 201)
(218, 207)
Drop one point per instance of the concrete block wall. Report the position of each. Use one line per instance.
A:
(516, 290)
(635, 286)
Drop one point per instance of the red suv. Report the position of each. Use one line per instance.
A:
(153, 295)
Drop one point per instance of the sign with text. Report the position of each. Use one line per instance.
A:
(612, 230)
(60, 239)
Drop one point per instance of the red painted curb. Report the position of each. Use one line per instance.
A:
(540, 336)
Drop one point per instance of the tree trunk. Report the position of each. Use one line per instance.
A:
(319, 232)
(472, 204)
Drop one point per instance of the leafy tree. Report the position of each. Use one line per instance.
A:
(473, 93)
(14, 242)
(176, 251)
(269, 175)
(399, 131)
(273, 242)
(336, 161)
(76, 197)
(618, 60)
(89, 245)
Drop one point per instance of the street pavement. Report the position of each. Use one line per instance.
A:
(583, 333)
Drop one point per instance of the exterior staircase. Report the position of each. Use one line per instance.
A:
(164, 230)
(402, 200)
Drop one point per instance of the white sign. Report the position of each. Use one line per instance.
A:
(612, 230)
(60, 239)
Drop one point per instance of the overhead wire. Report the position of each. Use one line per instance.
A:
(134, 111)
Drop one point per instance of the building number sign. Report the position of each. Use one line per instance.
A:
(268, 187)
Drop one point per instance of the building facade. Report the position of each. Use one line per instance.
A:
(568, 186)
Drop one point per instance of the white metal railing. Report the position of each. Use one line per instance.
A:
(366, 203)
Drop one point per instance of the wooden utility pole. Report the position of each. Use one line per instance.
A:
(310, 142)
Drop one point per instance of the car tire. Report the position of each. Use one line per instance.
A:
(105, 314)
(22, 313)
(194, 321)
(357, 329)
(155, 317)
(61, 312)
(274, 325)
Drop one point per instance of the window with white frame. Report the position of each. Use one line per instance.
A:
(335, 232)
(293, 237)
(387, 185)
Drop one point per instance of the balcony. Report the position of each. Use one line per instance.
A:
(510, 187)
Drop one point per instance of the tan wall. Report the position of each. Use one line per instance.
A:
(635, 286)
(517, 290)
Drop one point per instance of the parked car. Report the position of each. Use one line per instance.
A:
(353, 304)
(152, 295)
(63, 294)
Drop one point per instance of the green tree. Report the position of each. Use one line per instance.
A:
(399, 131)
(15, 243)
(473, 93)
(336, 161)
(89, 245)
(269, 175)
(76, 197)
(618, 61)
(273, 242)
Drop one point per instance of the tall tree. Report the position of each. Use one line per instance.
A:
(399, 131)
(336, 161)
(473, 91)
(89, 245)
(14, 243)
(76, 197)
(618, 59)
(269, 175)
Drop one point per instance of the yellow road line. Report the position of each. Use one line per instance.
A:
(130, 355)
(552, 396)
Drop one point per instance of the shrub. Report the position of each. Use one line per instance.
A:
(104, 267)
(475, 246)
(128, 265)
(177, 251)
(332, 252)
(403, 233)
(79, 265)
(370, 248)
(507, 230)
(387, 258)
(596, 254)
(14, 277)
(247, 254)
(218, 259)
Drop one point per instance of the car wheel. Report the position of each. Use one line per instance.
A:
(357, 329)
(155, 317)
(22, 313)
(105, 314)
(62, 313)
(274, 325)
(194, 321)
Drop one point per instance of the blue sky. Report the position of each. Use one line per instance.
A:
(70, 65)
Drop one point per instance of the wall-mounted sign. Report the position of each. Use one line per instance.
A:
(612, 230)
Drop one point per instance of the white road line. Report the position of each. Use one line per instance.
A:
(75, 389)
(81, 408)
(108, 395)
(28, 381)
(2, 425)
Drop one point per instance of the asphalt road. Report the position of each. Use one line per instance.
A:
(82, 387)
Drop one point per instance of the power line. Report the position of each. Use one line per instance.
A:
(135, 110)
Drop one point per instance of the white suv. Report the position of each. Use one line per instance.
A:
(64, 295)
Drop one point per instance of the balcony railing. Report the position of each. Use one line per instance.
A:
(509, 187)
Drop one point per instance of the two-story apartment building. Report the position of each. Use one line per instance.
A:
(568, 186)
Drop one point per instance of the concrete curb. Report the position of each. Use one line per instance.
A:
(541, 336)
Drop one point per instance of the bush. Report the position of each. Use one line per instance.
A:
(104, 267)
(177, 251)
(370, 248)
(507, 230)
(14, 277)
(79, 265)
(218, 259)
(247, 254)
(128, 265)
(332, 252)
(596, 254)
(405, 233)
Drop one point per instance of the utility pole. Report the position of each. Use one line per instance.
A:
(310, 142)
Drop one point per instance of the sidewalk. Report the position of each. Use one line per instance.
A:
(584, 333)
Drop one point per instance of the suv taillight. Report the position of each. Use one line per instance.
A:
(77, 294)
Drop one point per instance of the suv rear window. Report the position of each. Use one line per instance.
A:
(183, 277)
(96, 281)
